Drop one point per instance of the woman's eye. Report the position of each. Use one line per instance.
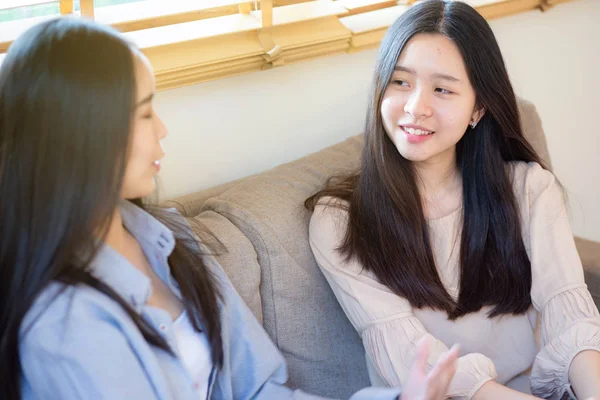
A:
(400, 82)
(443, 91)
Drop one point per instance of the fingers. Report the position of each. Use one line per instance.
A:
(446, 362)
(441, 375)
(420, 364)
(452, 354)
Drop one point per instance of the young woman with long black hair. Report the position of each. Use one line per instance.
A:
(453, 228)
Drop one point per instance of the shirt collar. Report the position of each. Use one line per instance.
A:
(117, 272)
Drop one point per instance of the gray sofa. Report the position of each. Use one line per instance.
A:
(262, 223)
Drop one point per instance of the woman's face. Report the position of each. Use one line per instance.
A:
(145, 150)
(429, 101)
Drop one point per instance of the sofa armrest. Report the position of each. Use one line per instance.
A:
(589, 252)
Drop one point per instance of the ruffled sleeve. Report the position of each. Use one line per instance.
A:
(384, 320)
(569, 321)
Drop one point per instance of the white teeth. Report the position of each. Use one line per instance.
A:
(156, 162)
(417, 132)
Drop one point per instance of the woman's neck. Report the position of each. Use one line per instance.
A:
(124, 243)
(440, 184)
(116, 236)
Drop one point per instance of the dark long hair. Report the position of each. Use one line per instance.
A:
(387, 231)
(67, 90)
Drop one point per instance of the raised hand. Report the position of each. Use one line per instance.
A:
(432, 385)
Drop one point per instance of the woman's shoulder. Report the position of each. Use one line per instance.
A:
(62, 310)
(329, 218)
(530, 180)
(327, 233)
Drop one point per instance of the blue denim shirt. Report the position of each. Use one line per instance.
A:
(79, 344)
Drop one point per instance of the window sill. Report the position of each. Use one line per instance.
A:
(156, 13)
(199, 60)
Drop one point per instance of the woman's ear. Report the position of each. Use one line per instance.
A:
(478, 113)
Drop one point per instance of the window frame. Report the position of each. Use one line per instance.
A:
(231, 37)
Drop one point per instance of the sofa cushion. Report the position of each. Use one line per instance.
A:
(300, 313)
(190, 204)
(234, 252)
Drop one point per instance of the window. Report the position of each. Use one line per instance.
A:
(191, 41)
(13, 10)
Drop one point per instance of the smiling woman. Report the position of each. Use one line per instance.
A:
(418, 69)
(453, 228)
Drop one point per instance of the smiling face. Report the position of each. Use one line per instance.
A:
(429, 101)
(145, 150)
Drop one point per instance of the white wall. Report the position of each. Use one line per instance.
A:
(222, 130)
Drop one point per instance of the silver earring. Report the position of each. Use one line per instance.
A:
(473, 124)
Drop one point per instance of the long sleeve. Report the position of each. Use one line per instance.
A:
(254, 368)
(384, 320)
(570, 322)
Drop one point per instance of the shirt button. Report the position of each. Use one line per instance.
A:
(196, 385)
(163, 327)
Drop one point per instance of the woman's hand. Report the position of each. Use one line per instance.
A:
(433, 385)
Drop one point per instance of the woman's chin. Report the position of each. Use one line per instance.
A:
(140, 191)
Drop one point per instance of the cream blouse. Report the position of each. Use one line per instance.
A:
(562, 322)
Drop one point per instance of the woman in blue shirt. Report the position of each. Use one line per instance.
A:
(101, 296)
